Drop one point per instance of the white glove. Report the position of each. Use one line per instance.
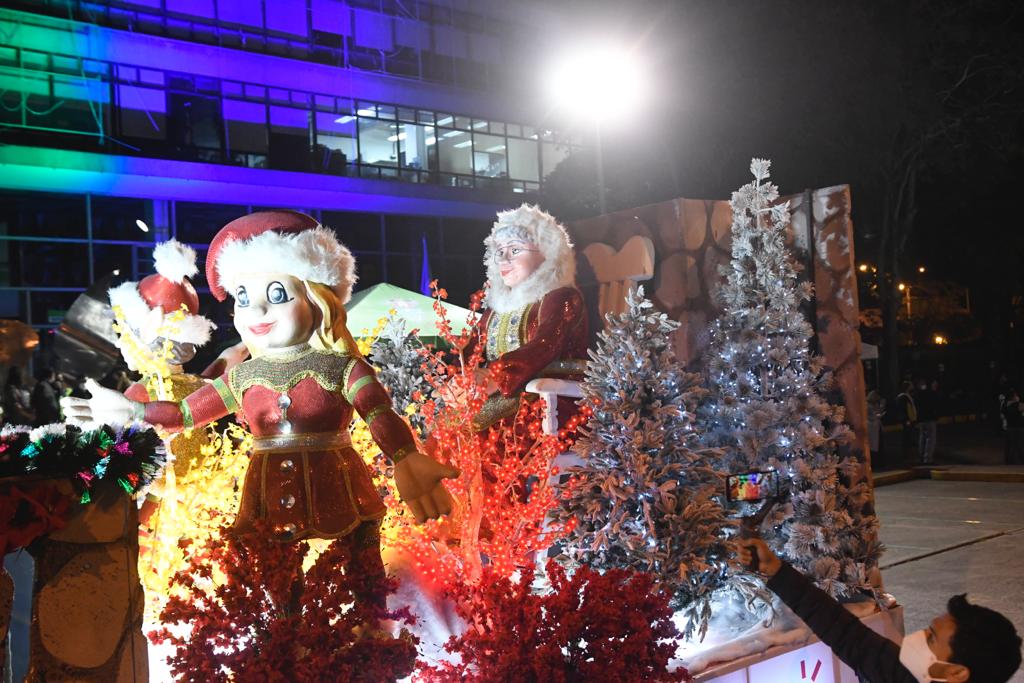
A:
(105, 407)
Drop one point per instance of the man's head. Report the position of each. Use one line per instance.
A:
(978, 644)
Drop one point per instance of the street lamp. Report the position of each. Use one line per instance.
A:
(599, 82)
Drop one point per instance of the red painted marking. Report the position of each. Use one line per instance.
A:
(803, 669)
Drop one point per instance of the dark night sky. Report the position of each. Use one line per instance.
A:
(831, 92)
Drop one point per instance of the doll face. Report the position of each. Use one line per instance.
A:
(272, 311)
(517, 260)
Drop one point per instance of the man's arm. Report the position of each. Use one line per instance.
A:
(871, 655)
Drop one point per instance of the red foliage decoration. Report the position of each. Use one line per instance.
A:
(593, 627)
(29, 511)
(250, 613)
(502, 495)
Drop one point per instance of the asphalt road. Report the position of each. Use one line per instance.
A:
(949, 537)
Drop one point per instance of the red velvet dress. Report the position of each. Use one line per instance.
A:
(304, 476)
(547, 338)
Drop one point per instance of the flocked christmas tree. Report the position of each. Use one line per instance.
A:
(646, 497)
(397, 354)
(766, 407)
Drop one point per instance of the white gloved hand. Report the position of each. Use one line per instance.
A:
(106, 406)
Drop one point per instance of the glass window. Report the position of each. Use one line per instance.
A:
(335, 142)
(113, 218)
(462, 122)
(142, 112)
(552, 155)
(198, 223)
(522, 159)
(417, 147)
(358, 231)
(289, 139)
(404, 270)
(110, 257)
(377, 142)
(515, 129)
(38, 214)
(246, 126)
(455, 152)
(407, 115)
(49, 308)
(425, 117)
(489, 156)
(48, 264)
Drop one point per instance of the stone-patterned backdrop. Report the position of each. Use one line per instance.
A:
(692, 239)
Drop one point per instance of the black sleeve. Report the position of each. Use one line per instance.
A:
(871, 655)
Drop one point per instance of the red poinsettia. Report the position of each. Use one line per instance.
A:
(250, 613)
(593, 627)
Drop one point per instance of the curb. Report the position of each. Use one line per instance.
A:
(945, 474)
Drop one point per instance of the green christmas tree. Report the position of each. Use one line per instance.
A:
(646, 497)
(766, 407)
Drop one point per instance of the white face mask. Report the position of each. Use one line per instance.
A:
(917, 657)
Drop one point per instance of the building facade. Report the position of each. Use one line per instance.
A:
(400, 124)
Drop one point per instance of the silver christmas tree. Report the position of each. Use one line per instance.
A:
(646, 497)
(396, 354)
(766, 408)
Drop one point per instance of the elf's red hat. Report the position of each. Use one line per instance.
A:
(279, 241)
(168, 290)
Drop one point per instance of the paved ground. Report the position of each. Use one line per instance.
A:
(948, 537)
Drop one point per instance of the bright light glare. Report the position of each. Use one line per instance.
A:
(142, 225)
(598, 82)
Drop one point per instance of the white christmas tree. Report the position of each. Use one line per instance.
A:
(646, 497)
(397, 355)
(766, 408)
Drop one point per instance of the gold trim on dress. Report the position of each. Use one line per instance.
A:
(376, 412)
(361, 383)
(313, 441)
(280, 374)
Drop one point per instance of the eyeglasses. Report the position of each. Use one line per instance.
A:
(510, 253)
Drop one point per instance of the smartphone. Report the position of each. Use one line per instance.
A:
(752, 486)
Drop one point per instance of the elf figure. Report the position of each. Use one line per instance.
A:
(535, 318)
(158, 330)
(290, 279)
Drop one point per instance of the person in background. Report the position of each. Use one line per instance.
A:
(876, 410)
(1013, 418)
(967, 643)
(45, 397)
(927, 401)
(17, 401)
(908, 418)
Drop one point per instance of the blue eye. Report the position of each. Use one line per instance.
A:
(277, 294)
(241, 297)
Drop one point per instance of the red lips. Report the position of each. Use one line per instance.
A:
(261, 329)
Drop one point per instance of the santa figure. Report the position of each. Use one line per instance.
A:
(290, 279)
(534, 317)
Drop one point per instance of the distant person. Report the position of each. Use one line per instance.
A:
(45, 397)
(1013, 418)
(908, 419)
(17, 400)
(967, 644)
(876, 410)
(927, 401)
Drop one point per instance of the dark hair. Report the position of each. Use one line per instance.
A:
(44, 373)
(15, 377)
(984, 641)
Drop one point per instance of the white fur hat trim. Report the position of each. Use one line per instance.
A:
(535, 225)
(314, 255)
(147, 322)
(175, 261)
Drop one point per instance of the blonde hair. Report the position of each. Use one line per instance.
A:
(332, 333)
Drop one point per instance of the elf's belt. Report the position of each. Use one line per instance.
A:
(314, 441)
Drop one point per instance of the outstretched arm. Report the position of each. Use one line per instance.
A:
(417, 476)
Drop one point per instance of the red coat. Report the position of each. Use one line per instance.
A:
(547, 338)
(308, 482)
